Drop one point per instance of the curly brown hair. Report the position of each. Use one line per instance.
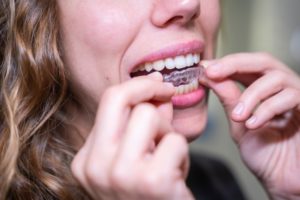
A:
(35, 154)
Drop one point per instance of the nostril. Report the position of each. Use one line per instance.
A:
(180, 12)
(174, 20)
(181, 19)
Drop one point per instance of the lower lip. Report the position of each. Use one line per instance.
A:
(190, 99)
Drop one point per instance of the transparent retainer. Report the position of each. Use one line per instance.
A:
(184, 77)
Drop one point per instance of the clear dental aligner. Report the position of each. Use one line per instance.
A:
(184, 77)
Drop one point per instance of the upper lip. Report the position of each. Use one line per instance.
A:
(194, 46)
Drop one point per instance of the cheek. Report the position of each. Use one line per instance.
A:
(101, 28)
(210, 16)
(95, 36)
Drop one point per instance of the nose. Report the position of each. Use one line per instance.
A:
(181, 12)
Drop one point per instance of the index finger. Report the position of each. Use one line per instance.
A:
(117, 103)
(241, 63)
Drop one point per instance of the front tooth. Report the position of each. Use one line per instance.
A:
(191, 87)
(189, 60)
(159, 65)
(180, 62)
(176, 91)
(185, 89)
(148, 67)
(196, 58)
(180, 89)
(170, 63)
(195, 85)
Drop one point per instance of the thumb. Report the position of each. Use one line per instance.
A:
(228, 93)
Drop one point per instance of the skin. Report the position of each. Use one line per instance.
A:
(126, 157)
(99, 58)
(264, 118)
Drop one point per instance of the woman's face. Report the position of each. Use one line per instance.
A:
(104, 41)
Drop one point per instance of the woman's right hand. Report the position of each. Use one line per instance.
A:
(131, 152)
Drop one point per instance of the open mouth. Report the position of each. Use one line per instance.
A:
(182, 71)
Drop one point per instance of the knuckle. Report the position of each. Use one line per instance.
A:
(181, 141)
(120, 178)
(76, 168)
(280, 78)
(177, 140)
(91, 173)
(96, 177)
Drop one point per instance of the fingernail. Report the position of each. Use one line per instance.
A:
(239, 109)
(251, 121)
(205, 64)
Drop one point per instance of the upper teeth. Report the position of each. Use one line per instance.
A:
(177, 62)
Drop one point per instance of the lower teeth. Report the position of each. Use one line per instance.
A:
(184, 77)
(184, 89)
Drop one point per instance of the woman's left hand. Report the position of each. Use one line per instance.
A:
(264, 118)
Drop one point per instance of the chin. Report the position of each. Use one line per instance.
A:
(190, 122)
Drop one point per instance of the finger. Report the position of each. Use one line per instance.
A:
(171, 156)
(226, 90)
(165, 110)
(181, 191)
(152, 87)
(144, 126)
(78, 165)
(116, 105)
(241, 63)
(111, 122)
(276, 105)
(259, 90)
(228, 93)
(117, 102)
